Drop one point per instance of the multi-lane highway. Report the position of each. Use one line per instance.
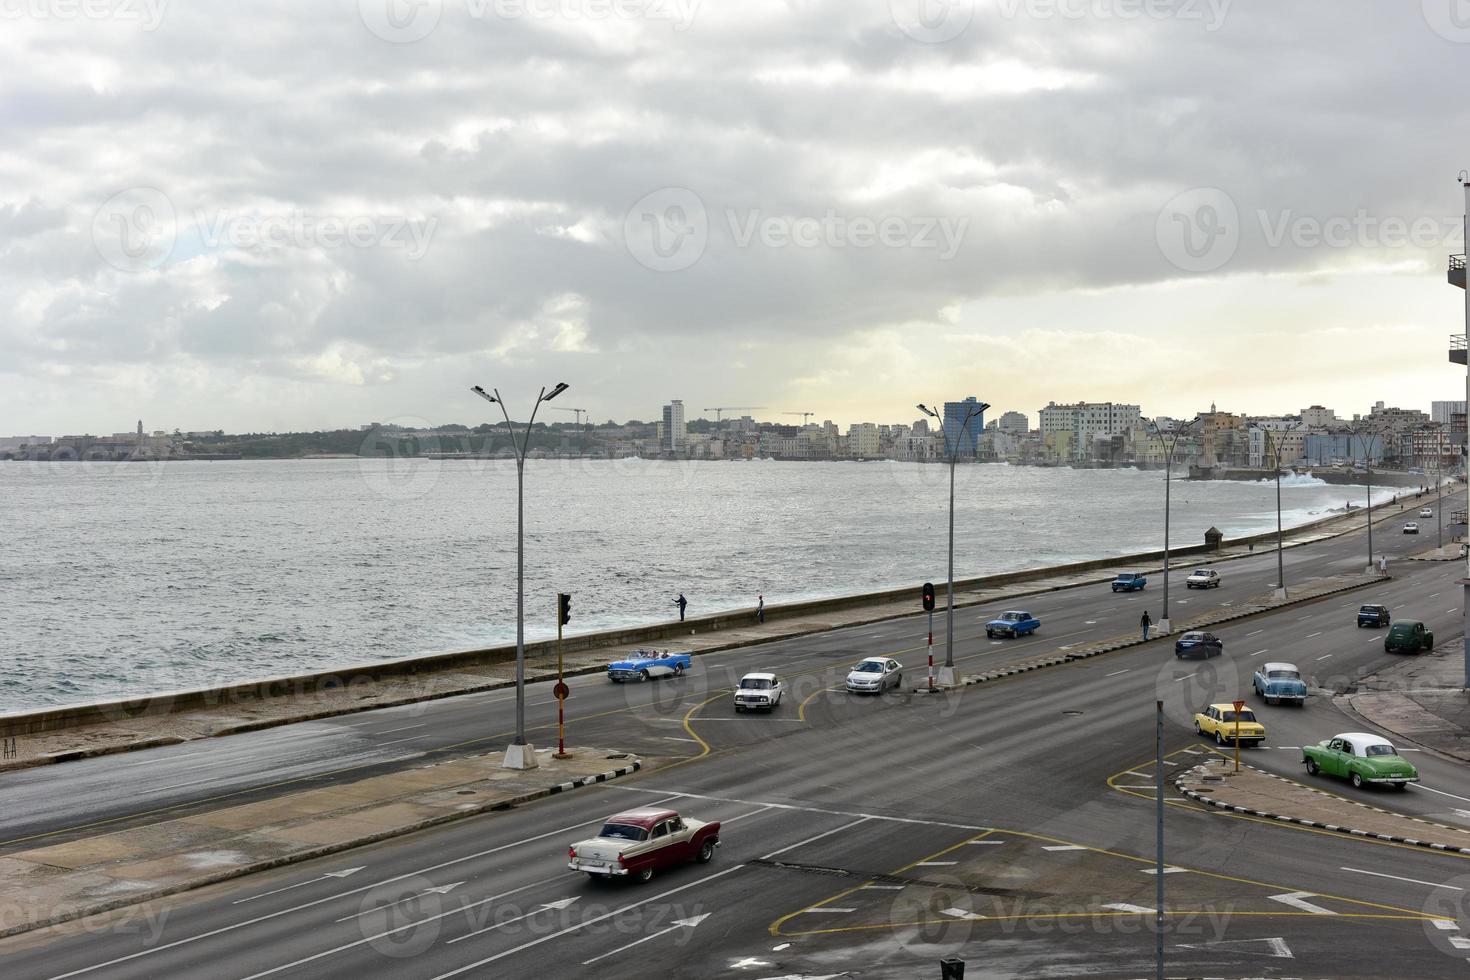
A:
(865, 836)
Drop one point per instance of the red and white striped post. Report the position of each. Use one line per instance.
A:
(931, 650)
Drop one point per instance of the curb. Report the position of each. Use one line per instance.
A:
(1110, 647)
(324, 850)
(1302, 821)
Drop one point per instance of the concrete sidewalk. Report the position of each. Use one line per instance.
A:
(1254, 792)
(92, 875)
(1422, 700)
(126, 733)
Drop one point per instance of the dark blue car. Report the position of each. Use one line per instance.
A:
(1197, 643)
(1373, 615)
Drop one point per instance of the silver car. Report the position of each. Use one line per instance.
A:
(874, 676)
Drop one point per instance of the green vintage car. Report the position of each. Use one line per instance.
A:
(1361, 758)
(1408, 635)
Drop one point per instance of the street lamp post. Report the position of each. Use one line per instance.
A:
(1365, 433)
(1273, 448)
(520, 754)
(946, 673)
(1177, 433)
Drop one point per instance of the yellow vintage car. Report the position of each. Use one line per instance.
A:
(1219, 720)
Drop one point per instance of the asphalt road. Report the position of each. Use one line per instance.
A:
(866, 836)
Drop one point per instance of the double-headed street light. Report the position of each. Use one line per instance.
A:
(520, 755)
(1273, 449)
(1363, 434)
(1177, 433)
(973, 409)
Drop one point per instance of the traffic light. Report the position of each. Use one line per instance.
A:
(564, 607)
(928, 596)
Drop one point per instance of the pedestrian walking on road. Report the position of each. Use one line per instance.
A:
(1145, 622)
(760, 609)
(681, 602)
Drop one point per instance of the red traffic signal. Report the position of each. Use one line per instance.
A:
(928, 596)
(564, 608)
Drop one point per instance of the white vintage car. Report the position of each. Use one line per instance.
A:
(635, 843)
(758, 690)
(1203, 578)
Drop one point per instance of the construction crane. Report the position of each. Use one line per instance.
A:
(580, 412)
(718, 409)
(804, 416)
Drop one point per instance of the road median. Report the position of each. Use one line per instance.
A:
(91, 876)
(1257, 793)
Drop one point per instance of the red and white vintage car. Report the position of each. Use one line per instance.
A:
(638, 842)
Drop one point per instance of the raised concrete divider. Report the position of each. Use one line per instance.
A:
(882, 605)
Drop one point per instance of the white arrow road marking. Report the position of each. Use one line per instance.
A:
(329, 874)
(1125, 907)
(960, 914)
(1413, 881)
(1063, 847)
(438, 890)
(560, 903)
(688, 923)
(1275, 946)
(1295, 900)
(1459, 942)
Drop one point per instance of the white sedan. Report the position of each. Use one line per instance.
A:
(759, 690)
(1202, 578)
(1426, 511)
(874, 676)
(1411, 527)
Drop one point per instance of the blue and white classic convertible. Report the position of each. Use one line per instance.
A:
(644, 664)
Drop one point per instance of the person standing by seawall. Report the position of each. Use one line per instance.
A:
(681, 602)
(760, 609)
(1145, 622)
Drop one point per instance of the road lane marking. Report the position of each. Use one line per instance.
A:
(886, 888)
(276, 891)
(1184, 678)
(689, 923)
(1254, 632)
(1316, 634)
(935, 864)
(558, 905)
(1324, 657)
(1168, 871)
(587, 922)
(1413, 881)
(1063, 847)
(1259, 652)
(958, 913)
(1297, 901)
(1117, 672)
(1434, 595)
(405, 728)
(987, 841)
(411, 738)
(676, 738)
(1442, 793)
(826, 909)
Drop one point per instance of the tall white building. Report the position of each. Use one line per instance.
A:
(1441, 411)
(1083, 422)
(863, 440)
(675, 435)
(1014, 423)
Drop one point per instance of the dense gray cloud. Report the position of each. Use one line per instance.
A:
(284, 215)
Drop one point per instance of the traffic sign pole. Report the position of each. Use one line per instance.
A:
(1239, 707)
(561, 691)
(931, 649)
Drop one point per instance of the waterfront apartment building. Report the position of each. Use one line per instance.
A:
(1015, 424)
(675, 435)
(863, 441)
(1082, 431)
(1317, 417)
(962, 437)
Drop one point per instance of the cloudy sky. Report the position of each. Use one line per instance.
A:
(275, 215)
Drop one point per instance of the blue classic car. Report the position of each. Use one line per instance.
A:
(644, 664)
(1279, 682)
(1129, 582)
(1013, 622)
